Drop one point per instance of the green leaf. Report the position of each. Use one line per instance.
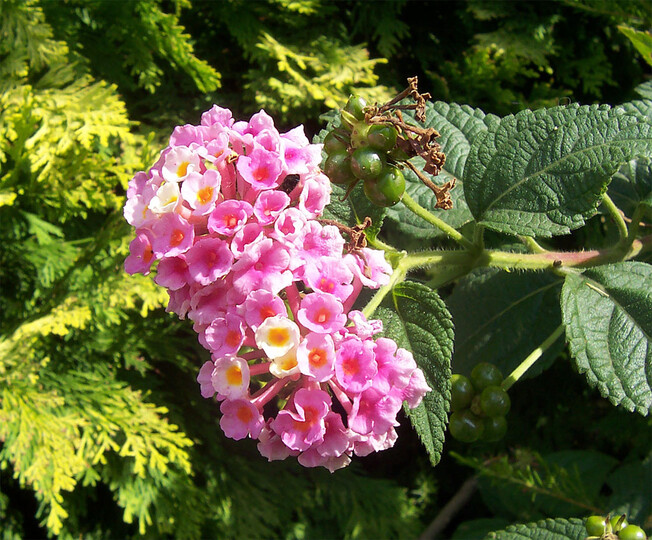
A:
(630, 490)
(501, 317)
(542, 173)
(406, 222)
(547, 529)
(641, 107)
(641, 40)
(608, 316)
(354, 209)
(458, 126)
(632, 185)
(417, 319)
(644, 89)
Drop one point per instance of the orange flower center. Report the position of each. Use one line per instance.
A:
(233, 338)
(278, 336)
(244, 414)
(176, 237)
(317, 358)
(182, 169)
(350, 366)
(234, 375)
(205, 194)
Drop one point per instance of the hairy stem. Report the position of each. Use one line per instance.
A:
(417, 209)
(532, 358)
(397, 276)
(617, 216)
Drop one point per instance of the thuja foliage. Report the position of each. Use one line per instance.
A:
(92, 410)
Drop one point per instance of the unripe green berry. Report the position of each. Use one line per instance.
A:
(485, 374)
(366, 163)
(618, 523)
(494, 428)
(494, 401)
(461, 392)
(338, 168)
(595, 525)
(382, 137)
(632, 532)
(465, 426)
(355, 106)
(387, 189)
(335, 142)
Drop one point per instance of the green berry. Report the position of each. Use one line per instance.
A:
(465, 426)
(461, 392)
(494, 401)
(632, 532)
(338, 168)
(494, 428)
(485, 374)
(595, 525)
(615, 525)
(366, 163)
(387, 189)
(382, 137)
(355, 106)
(334, 143)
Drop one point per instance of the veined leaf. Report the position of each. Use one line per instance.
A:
(410, 224)
(458, 126)
(547, 529)
(632, 185)
(644, 89)
(354, 209)
(641, 107)
(608, 316)
(417, 319)
(501, 317)
(542, 173)
(641, 40)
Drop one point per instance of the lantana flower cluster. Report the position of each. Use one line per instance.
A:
(229, 214)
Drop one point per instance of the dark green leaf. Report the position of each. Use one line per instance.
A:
(631, 493)
(632, 185)
(354, 209)
(547, 529)
(417, 319)
(478, 528)
(458, 126)
(542, 173)
(608, 316)
(644, 89)
(502, 317)
(405, 222)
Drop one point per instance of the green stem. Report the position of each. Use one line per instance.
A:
(532, 358)
(532, 244)
(617, 216)
(637, 217)
(417, 209)
(397, 276)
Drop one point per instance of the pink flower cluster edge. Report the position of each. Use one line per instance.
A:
(229, 213)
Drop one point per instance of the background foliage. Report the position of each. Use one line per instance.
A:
(103, 430)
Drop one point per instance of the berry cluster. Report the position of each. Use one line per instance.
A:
(479, 405)
(229, 213)
(613, 528)
(359, 151)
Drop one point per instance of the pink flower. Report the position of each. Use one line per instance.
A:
(208, 260)
(205, 380)
(172, 234)
(321, 313)
(355, 364)
(301, 428)
(261, 169)
(240, 418)
(141, 256)
(201, 191)
(263, 266)
(230, 377)
(316, 356)
(328, 275)
(260, 305)
(172, 272)
(269, 205)
(229, 217)
(374, 412)
(225, 335)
